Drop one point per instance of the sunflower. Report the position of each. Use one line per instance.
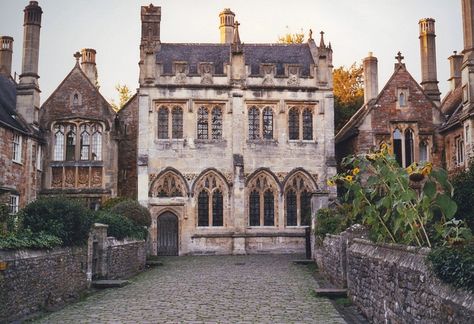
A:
(331, 183)
(355, 171)
(349, 178)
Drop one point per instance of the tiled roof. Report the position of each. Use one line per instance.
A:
(452, 100)
(8, 116)
(219, 55)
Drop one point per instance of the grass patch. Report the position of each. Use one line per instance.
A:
(343, 302)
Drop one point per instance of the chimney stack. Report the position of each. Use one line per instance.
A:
(429, 76)
(88, 65)
(455, 64)
(226, 26)
(28, 92)
(371, 83)
(6, 52)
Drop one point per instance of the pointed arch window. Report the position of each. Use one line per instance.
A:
(293, 124)
(268, 209)
(85, 141)
(307, 124)
(163, 123)
(298, 200)
(217, 208)
(58, 143)
(216, 123)
(397, 146)
(203, 208)
(254, 123)
(203, 123)
(96, 149)
(409, 148)
(402, 100)
(267, 123)
(71, 143)
(177, 122)
(254, 208)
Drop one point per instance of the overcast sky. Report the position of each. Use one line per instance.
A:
(112, 27)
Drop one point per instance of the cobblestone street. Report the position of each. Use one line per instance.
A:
(209, 289)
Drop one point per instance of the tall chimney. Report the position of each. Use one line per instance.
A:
(371, 82)
(429, 76)
(6, 52)
(226, 26)
(28, 92)
(468, 28)
(88, 65)
(455, 64)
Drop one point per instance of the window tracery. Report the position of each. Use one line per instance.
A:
(300, 123)
(211, 200)
(168, 185)
(261, 202)
(298, 191)
(66, 137)
(170, 122)
(260, 122)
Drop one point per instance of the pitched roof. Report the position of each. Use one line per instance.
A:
(351, 127)
(8, 115)
(219, 55)
(452, 108)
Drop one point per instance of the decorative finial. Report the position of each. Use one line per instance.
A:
(399, 57)
(236, 44)
(77, 56)
(310, 34)
(321, 43)
(455, 52)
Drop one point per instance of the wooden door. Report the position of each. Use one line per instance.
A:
(167, 236)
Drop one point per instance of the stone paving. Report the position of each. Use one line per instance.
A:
(209, 289)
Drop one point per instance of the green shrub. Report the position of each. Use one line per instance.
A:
(61, 217)
(131, 209)
(112, 202)
(333, 220)
(26, 239)
(463, 184)
(120, 226)
(454, 265)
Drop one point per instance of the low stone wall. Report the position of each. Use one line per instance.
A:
(392, 283)
(125, 258)
(35, 280)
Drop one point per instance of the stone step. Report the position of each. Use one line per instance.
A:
(303, 262)
(154, 263)
(102, 284)
(331, 293)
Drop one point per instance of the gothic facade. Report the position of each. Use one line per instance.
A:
(233, 140)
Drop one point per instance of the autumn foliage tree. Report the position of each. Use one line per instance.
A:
(348, 93)
(124, 95)
(291, 38)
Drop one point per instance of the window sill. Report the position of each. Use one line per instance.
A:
(302, 142)
(209, 141)
(17, 162)
(263, 141)
(262, 226)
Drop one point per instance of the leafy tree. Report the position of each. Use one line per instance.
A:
(463, 194)
(291, 38)
(348, 93)
(124, 95)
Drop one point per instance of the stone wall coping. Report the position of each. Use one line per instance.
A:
(12, 255)
(253, 234)
(112, 241)
(100, 225)
(391, 246)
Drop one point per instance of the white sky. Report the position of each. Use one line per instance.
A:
(112, 27)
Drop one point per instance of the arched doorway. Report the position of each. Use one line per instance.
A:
(167, 234)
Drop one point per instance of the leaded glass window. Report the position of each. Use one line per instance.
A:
(293, 124)
(71, 143)
(254, 123)
(423, 151)
(216, 123)
(254, 208)
(397, 146)
(203, 123)
(163, 123)
(307, 124)
(268, 123)
(85, 142)
(305, 208)
(409, 147)
(96, 151)
(177, 122)
(217, 208)
(291, 208)
(58, 143)
(203, 208)
(268, 209)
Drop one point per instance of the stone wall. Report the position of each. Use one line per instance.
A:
(125, 258)
(392, 283)
(36, 280)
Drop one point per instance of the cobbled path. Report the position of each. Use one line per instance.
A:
(209, 289)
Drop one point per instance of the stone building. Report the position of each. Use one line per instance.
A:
(79, 127)
(233, 140)
(405, 114)
(21, 146)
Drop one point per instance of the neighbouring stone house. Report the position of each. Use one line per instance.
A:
(21, 145)
(233, 140)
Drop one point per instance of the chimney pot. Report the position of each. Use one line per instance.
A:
(6, 53)
(371, 83)
(429, 75)
(226, 26)
(88, 64)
